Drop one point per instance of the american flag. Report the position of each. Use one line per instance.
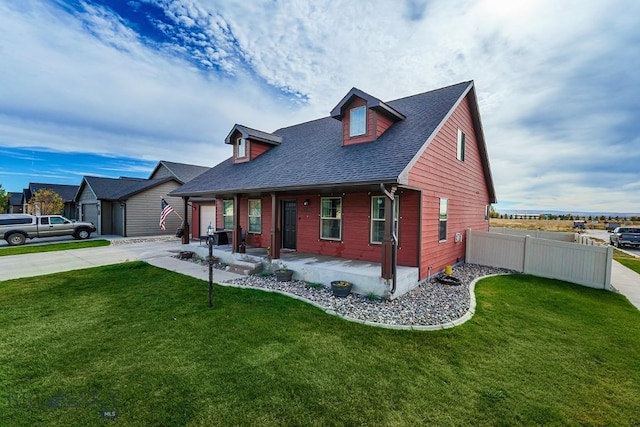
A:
(165, 210)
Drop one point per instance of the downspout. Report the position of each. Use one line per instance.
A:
(394, 237)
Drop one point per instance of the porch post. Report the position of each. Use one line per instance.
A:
(389, 240)
(274, 251)
(185, 227)
(236, 224)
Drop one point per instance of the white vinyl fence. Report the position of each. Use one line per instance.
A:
(581, 262)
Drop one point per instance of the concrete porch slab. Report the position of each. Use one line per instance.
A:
(364, 275)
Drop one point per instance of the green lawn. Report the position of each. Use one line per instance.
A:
(627, 260)
(142, 341)
(51, 247)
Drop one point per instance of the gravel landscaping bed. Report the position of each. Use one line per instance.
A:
(431, 303)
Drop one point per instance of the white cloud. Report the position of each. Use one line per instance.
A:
(542, 70)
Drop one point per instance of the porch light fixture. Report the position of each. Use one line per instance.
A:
(306, 202)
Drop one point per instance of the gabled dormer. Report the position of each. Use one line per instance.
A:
(364, 117)
(250, 143)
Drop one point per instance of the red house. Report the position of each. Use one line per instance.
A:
(396, 183)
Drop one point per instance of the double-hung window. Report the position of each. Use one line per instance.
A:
(255, 216)
(357, 121)
(242, 148)
(331, 218)
(460, 146)
(227, 214)
(444, 213)
(378, 218)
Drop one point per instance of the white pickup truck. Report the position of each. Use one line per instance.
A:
(17, 228)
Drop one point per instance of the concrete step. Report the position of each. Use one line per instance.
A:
(245, 267)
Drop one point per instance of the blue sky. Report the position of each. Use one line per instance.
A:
(109, 88)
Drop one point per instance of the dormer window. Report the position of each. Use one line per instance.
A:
(357, 121)
(241, 145)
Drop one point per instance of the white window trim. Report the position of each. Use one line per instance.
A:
(441, 220)
(356, 132)
(241, 142)
(249, 216)
(224, 214)
(338, 217)
(461, 145)
(372, 219)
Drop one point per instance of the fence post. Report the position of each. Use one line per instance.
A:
(607, 274)
(525, 262)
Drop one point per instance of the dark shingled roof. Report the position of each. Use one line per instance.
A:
(67, 192)
(312, 155)
(121, 188)
(258, 135)
(182, 171)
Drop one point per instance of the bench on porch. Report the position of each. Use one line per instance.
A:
(220, 237)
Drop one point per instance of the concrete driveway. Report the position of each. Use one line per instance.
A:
(121, 250)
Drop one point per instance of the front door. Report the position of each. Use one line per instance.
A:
(289, 217)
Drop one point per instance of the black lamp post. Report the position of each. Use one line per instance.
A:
(210, 236)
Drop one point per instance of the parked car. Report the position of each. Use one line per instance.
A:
(17, 228)
(610, 226)
(625, 236)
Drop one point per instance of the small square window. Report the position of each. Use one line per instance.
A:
(357, 121)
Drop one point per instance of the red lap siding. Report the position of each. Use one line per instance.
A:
(442, 175)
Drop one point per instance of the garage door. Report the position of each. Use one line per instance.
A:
(207, 216)
(90, 213)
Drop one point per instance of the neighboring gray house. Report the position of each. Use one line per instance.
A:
(131, 206)
(67, 192)
(16, 204)
(181, 171)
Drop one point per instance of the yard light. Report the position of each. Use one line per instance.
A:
(210, 236)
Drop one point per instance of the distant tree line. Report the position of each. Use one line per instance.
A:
(570, 217)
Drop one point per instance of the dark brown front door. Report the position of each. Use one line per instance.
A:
(289, 217)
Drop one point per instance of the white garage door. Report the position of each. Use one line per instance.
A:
(90, 213)
(207, 216)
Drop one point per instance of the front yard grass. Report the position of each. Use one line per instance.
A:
(51, 247)
(627, 260)
(142, 342)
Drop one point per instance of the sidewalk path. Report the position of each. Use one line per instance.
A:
(627, 282)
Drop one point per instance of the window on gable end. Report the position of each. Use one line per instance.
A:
(357, 121)
(461, 145)
(443, 217)
(241, 145)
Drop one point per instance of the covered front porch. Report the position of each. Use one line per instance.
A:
(365, 276)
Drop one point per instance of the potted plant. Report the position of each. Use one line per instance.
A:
(341, 288)
(283, 274)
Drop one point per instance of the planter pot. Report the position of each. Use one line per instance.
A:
(284, 275)
(341, 288)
